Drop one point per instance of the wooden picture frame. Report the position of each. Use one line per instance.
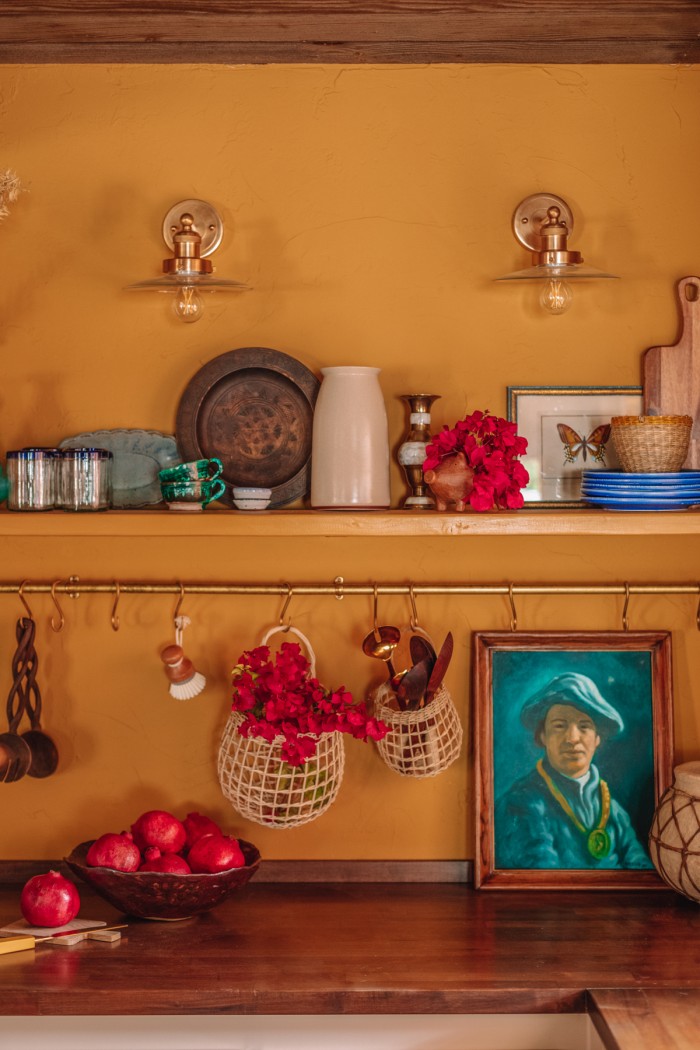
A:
(535, 697)
(554, 461)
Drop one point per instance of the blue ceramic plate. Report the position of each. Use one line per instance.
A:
(614, 478)
(632, 492)
(138, 455)
(611, 503)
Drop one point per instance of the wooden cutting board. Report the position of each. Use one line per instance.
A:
(671, 374)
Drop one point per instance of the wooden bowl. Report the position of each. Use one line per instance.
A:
(157, 895)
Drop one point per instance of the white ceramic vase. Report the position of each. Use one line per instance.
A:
(350, 444)
(674, 839)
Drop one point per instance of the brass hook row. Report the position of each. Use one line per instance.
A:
(73, 588)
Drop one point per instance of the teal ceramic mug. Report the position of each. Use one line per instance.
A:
(196, 470)
(186, 491)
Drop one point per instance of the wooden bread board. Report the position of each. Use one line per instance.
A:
(671, 374)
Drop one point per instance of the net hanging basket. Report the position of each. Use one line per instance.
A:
(419, 743)
(264, 788)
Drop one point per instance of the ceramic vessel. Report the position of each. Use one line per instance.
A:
(350, 443)
(674, 839)
(411, 453)
(451, 482)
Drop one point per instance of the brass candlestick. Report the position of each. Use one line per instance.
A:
(411, 451)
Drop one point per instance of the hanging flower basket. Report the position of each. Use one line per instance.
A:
(264, 788)
(419, 743)
(282, 754)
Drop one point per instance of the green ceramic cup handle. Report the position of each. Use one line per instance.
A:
(218, 488)
(217, 471)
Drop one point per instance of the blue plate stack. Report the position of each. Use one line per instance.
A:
(617, 490)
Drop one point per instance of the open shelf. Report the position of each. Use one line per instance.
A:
(330, 31)
(163, 524)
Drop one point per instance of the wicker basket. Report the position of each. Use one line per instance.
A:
(264, 788)
(651, 444)
(419, 743)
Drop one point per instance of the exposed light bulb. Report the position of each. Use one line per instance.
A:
(188, 305)
(556, 296)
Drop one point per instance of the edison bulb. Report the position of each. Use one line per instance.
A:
(188, 305)
(556, 296)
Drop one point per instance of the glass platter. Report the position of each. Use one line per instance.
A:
(138, 456)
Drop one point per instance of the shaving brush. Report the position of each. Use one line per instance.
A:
(185, 681)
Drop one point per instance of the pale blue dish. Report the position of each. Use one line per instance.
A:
(138, 457)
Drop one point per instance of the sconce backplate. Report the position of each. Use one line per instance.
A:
(531, 213)
(207, 223)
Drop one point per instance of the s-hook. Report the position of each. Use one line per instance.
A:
(179, 602)
(62, 620)
(513, 611)
(625, 621)
(23, 599)
(287, 600)
(413, 619)
(117, 595)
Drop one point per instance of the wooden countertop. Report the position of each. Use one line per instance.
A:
(631, 960)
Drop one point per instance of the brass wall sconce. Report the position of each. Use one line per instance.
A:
(193, 230)
(543, 223)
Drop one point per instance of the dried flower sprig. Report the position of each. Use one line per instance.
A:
(10, 189)
(279, 698)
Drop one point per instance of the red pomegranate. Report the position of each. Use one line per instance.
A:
(213, 853)
(159, 828)
(114, 851)
(49, 900)
(170, 863)
(196, 825)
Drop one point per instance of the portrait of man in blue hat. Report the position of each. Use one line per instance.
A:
(562, 813)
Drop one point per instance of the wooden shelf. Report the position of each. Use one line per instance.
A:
(163, 524)
(341, 31)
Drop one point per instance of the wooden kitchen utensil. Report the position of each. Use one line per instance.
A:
(25, 942)
(25, 663)
(440, 667)
(671, 374)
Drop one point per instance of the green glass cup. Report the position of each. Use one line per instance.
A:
(197, 492)
(195, 470)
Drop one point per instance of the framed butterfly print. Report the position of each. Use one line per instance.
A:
(568, 431)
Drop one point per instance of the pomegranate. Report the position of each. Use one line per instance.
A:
(172, 863)
(49, 900)
(196, 825)
(159, 828)
(212, 853)
(114, 851)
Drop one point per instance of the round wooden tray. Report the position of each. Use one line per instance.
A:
(253, 409)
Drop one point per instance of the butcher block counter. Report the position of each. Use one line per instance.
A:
(629, 960)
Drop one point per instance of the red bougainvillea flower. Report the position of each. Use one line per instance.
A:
(491, 447)
(279, 698)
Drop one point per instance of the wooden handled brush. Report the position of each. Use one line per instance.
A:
(185, 681)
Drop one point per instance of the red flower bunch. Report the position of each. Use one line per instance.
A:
(280, 698)
(491, 447)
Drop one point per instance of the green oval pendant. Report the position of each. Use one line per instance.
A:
(598, 843)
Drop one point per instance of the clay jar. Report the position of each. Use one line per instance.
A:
(451, 482)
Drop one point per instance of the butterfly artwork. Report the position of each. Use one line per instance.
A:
(593, 445)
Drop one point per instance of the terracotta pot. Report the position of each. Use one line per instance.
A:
(451, 482)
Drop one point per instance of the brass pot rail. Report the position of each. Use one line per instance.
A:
(74, 587)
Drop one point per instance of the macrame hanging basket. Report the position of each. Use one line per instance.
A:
(419, 743)
(264, 788)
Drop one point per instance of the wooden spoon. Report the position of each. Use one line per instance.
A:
(440, 668)
(15, 754)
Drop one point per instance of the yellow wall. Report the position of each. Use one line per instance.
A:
(369, 208)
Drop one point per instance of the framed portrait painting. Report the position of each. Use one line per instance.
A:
(568, 431)
(573, 747)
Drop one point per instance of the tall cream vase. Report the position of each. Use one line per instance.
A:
(350, 445)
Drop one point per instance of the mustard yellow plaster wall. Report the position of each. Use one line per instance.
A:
(369, 208)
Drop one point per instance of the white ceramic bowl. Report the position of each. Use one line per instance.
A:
(251, 498)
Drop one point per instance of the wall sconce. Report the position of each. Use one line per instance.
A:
(192, 230)
(542, 223)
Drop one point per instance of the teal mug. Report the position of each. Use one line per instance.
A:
(196, 470)
(186, 491)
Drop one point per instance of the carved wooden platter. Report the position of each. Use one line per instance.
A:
(253, 409)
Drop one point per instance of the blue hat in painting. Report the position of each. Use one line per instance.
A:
(577, 691)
